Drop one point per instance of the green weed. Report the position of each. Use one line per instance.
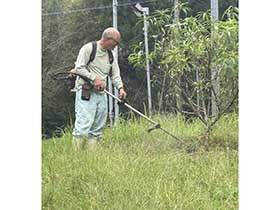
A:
(135, 170)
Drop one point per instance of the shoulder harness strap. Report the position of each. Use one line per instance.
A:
(93, 52)
(111, 57)
(111, 60)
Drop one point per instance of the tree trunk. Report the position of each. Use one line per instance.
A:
(207, 139)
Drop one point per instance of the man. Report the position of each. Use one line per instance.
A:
(91, 114)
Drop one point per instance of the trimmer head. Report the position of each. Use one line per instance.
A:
(155, 126)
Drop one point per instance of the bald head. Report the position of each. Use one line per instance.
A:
(111, 33)
(110, 38)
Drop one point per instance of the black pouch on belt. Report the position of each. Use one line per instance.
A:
(86, 91)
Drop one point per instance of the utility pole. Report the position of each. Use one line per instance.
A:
(110, 88)
(215, 15)
(145, 12)
(115, 25)
(215, 9)
(176, 12)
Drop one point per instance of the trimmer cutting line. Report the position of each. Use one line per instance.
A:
(67, 76)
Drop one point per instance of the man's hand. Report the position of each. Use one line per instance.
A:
(72, 71)
(99, 84)
(122, 93)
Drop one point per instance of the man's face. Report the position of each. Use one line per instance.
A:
(113, 42)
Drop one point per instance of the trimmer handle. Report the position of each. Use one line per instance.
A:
(123, 100)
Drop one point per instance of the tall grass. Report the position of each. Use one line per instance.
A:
(135, 170)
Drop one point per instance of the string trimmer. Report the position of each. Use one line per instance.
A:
(155, 125)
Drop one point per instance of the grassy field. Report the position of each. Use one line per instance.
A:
(135, 170)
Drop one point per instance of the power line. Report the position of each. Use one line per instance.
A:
(76, 10)
(93, 8)
(126, 4)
